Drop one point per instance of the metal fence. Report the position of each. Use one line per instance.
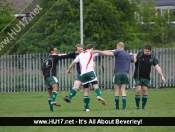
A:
(23, 72)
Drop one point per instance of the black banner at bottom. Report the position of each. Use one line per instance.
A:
(87, 121)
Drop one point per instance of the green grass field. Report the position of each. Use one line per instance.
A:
(34, 104)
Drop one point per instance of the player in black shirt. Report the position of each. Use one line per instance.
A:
(142, 74)
(49, 73)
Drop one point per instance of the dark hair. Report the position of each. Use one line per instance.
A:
(148, 46)
(90, 46)
(51, 49)
(78, 45)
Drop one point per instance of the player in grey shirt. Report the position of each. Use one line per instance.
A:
(121, 70)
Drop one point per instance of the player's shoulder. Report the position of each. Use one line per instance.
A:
(153, 56)
(140, 54)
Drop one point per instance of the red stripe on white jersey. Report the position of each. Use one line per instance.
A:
(90, 58)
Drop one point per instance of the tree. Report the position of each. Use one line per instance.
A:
(163, 31)
(105, 24)
(155, 27)
(54, 29)
(6, 16)
(108, 22)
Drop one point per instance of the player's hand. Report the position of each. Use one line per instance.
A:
(131, 53)
(69, 72)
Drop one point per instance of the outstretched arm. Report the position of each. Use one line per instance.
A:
(159, 70)
(58, 57)
(107, 53)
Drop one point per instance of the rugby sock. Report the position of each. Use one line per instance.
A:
(54, 95)
(72, 93)
(51, 106)
(86, 102)
(144, 100)
(98, 92)
(117, 102)
(137, 100)
(124, 102)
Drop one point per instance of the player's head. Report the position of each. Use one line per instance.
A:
(53, 51)
(90, 47)
(120, 46)
(79, 48)
(147, 49)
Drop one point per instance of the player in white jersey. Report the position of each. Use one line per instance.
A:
(77, 83)
(87, 74)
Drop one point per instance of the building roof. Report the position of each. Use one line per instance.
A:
(23, 6)
(162, 2)
(165, 2)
